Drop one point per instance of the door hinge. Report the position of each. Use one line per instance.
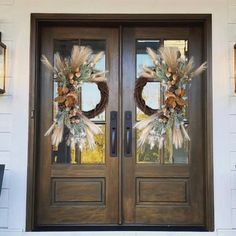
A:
(32, 114)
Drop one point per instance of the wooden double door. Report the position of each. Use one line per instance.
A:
(117, 183)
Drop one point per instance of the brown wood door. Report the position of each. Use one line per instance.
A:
(156, 189)
(138, 186)
(77, 188)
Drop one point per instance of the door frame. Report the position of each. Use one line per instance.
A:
(39, 20)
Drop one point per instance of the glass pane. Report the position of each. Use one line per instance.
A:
(142, 57)
(96, 46)
(97, 155)
(180, 156)
(145, 154)
(182, 45)
(90, 93)
(90, 96)
(152, 96)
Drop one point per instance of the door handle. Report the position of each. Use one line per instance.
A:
(128, 134)
(113, 133)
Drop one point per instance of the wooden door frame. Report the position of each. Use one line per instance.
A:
(103, 20)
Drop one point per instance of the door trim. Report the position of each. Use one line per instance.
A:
(40, 20)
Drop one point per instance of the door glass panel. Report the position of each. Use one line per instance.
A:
(152, 96)
(142, 57)
(97, 155)
(182, 46)
(90, 97)
(90, 93)
(151, 92)
(180, 156)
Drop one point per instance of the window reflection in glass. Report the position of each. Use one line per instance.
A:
(152, 96)
(142, 57)
(97, 155)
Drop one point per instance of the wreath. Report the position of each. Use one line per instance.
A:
(165, 126)
(70, 73)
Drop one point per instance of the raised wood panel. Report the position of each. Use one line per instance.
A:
(162, 191)
(78, 190)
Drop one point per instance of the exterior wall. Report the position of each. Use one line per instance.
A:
(15, 28)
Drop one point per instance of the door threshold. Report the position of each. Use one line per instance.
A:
(198, 228)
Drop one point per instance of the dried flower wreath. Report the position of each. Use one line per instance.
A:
(166, 125)
(70, 73)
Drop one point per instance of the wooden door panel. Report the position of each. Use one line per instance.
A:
(76, 193)
(160, 192)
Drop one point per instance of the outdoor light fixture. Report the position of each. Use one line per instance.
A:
(2, 66)
(234, 68)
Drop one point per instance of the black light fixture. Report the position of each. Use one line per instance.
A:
(2, 66)
(2, 167)
(234, 68)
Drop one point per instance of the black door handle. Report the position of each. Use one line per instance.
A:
(128, 134)
(113, 133)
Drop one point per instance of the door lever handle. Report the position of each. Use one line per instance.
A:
(128, 134)
(113, 133)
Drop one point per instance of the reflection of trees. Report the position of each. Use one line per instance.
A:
(146, 154)
(97, 155)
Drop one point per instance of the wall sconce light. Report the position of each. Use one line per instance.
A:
(2, 66)
(234, 68)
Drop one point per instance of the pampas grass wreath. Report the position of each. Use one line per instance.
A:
(70, 73)
(165, 127)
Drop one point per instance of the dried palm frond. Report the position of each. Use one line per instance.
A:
(170, 56)
(79, 55)
(189, 66)
(97, 57)
(93, 127)
(199, 70)
(153, 55)
(98, 77)
(49, 131)
(145, 122)
(57, 134)
(90, 138)
(144, 134)
(46, 62)
(147, 72)
(59, 63)
(177, 137)
(186, 136)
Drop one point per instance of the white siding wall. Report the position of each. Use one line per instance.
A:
(232, 111)
(15, 28)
